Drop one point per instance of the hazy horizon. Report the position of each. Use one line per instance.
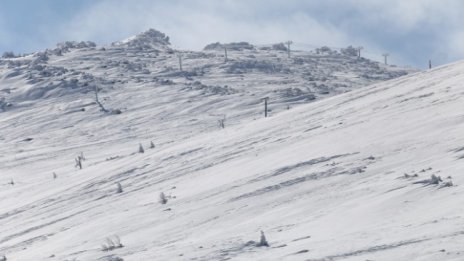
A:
(412, 32)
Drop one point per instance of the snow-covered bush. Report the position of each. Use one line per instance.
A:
(8, 55)
(119, 188)
(324, 50)
(65, 47)
(4, 104)
(214, 46)
(447, 184)
(240, 46)
(435, 179)
(262, 241)
(296, 94)
(75, 45)
(40, 57)
(115, 111)
(57, 52)
(349, 51)
(279, 47)
(162, 198)
(221, 123)
(112, 243)
(114, 258)
(210, 89)
(407, 176)
(78, 162)
(249, 65)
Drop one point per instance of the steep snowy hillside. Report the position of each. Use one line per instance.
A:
(348, 177)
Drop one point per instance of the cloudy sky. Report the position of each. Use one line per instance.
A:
(411, 31)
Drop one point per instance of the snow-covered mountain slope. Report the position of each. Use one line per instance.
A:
(147, 60)
(342, 178)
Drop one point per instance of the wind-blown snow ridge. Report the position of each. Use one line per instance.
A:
(347, 177)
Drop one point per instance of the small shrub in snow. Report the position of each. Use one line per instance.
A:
(112, 243)
(11, 183)
(279, 47)
(262, 241)
(78, 162)
(447, 184)
(141, 150)
(152, 145)
(4, 104)
(54, 175)
(8, 55)
(435, 179)
(119, 188)
(40, 57)
(65, 46)
(115, 111)
(221, 123)
(324, 50)
(349, 51)
(230, 46)
(162, 198)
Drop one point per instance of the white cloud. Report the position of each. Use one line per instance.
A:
(196, 23)
(456, 43)
(406, 16)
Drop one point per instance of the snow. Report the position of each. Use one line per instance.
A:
(324, 180)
